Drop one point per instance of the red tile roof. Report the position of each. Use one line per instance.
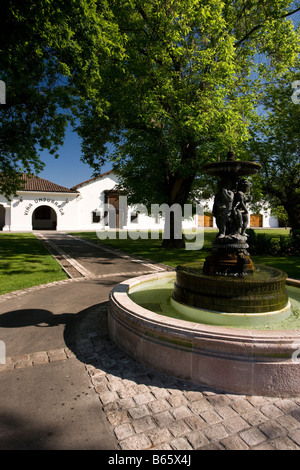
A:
(34, 183)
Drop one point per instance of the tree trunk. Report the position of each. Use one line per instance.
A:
(173, 236)
(293, 213)
(179, 190)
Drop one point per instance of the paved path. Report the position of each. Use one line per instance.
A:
(67, 386)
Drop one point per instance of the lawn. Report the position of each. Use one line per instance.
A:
(25, 262)
(151, 249)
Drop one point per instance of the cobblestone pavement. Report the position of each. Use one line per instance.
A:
(149, 410)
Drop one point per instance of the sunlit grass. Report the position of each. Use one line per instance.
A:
(151, 249)
(25, 262)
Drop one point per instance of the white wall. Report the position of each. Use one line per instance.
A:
(22, 210)
(76, 214)
(90, 199)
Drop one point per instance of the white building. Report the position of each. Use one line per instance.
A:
(43, 205)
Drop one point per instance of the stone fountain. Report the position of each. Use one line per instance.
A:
(220, 324)
(228, 281)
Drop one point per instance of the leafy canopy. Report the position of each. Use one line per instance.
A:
(49, 60)
(186, 89)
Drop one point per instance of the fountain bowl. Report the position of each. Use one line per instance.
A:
(226, 359)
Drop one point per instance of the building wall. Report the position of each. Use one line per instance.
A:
(23, 207)
(92, 197)
(75, 211)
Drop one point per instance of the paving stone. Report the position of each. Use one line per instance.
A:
(234, 443)
(119, 417)
(236, 424)
(253, 436)
(22, 361)
(126, 403)
(271, 411)
(242, 406)
(178, 428)
(200, 405)
(159, 436)
(196, 422)
(40, 358)
(288, 422)
(143, 398)
(255, 417)
(216, 432)
(159, 392)
(124, 430)
(226, 412)
(192, 395)
(181, 412)
(158, 406)
(57, 355)
(272, 429)
(197, 439)
(108, 397)
(284, 443)
(137, 442)
(177, 400)
(295, 436)
(211, 417)
(163, 446)
(287, 405)
(143, 424)
(138, 412)
(180, 444)
(163, 419)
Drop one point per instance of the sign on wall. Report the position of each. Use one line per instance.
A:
(57, 204)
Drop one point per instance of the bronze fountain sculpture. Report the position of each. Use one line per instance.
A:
(228, 281)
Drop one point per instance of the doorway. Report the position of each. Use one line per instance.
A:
(2, 217)
(44, 218)
(116, 216)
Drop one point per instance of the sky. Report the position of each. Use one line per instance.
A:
(68, 170)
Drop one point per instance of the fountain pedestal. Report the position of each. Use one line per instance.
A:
(227, 282)
(262, 292)
(229, 258)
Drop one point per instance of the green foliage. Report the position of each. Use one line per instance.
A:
(187, 89)
(275, 144)
(49, 61)
(280, 245)
(171, 84)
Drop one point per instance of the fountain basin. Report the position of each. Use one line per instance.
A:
(263, 291)
(232, 360)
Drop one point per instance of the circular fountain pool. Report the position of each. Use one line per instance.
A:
(254, 359)
(158, 296)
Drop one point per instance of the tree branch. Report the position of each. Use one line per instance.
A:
(261, 24)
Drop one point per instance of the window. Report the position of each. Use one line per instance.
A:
(95, 217)
(134, 216)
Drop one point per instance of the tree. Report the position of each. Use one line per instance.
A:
(276, 145)
(186, 90)
(49, 57)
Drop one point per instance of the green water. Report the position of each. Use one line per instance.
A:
(156, 296)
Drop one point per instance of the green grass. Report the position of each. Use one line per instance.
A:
(25, 262)
(152, 250)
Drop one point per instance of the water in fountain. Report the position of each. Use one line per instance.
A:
(228, 289)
